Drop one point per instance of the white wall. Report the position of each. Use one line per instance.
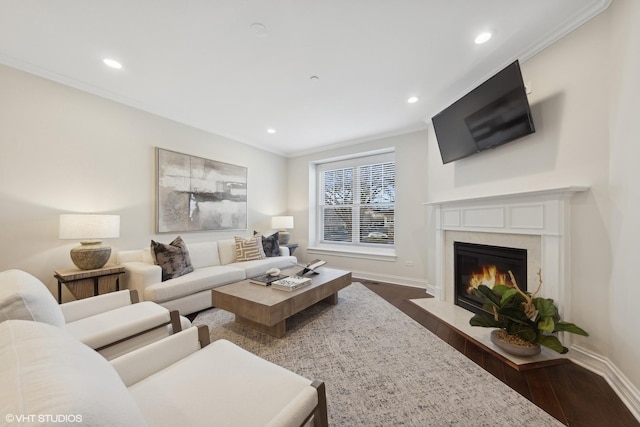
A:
(63, 150)
(584, 103)
(624, 286)
(569, 102)
(410, 227)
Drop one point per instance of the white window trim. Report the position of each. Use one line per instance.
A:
(348, 250)
(386, 254)
(365, 159)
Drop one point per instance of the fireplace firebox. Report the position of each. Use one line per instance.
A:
(476, 265)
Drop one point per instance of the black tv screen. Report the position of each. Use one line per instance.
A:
(494, 113)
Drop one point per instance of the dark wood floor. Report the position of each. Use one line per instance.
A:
(570, 393)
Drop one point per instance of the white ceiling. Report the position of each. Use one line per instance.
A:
(199, 62)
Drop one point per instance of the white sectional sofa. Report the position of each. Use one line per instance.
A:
(214, 265)
(50, 378)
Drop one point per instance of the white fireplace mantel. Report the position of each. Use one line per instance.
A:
(543, 213)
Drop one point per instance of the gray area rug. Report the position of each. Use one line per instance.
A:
(381, 368)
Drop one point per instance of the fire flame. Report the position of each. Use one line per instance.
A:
(489, 276)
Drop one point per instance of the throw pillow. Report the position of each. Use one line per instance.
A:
(22, 296)
(249, 249)
(270, 245)
(172, 258)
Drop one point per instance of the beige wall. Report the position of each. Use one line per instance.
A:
(410, 227)
(63, 150)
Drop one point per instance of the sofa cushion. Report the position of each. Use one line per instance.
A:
(248, 391)
(200, 280)
(249, 249)
(45, 371)
(256, 267)
(172, 258)
(204, 254)
(23, 296)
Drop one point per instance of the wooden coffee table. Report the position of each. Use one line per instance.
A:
(267, 309)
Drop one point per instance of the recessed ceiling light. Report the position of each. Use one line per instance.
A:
(112, 63)
(271, 130)
(482, 37)
(412, 99)
(259, 29)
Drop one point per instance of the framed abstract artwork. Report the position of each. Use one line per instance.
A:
(196, 194)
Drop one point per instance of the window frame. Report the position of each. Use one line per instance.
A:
(356, 247)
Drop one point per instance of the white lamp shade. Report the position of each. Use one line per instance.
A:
(88, 226)
(282, 222)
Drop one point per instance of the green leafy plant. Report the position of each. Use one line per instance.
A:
(533, 319)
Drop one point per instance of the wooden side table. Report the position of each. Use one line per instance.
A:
(292, 247)
(74, 275)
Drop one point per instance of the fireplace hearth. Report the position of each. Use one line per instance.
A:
(477, 264)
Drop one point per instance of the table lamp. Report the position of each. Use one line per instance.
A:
(282, 223)
(91, 254)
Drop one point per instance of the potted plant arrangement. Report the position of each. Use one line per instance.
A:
(524, 321)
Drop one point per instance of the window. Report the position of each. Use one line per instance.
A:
(356, 201)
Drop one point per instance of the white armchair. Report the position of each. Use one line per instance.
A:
(111, 324)
(170, 382)
(217, 384)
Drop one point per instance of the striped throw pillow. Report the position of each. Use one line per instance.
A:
(249, 249)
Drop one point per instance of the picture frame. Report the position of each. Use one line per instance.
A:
(198, 194)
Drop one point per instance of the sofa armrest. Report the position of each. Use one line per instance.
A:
(140, 275)
(146, 361)
(83, 308)
(284, 251)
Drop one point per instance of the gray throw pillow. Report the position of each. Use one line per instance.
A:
(173, 258)
(271, 245)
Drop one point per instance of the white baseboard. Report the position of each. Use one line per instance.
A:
(602, 366)
(387, 278)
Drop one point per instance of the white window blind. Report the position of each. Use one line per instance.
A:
(357, 202)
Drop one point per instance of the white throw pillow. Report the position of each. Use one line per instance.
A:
(227, 251)
(47, 372)
(23, 296)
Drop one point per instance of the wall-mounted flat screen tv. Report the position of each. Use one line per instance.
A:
(494, 113)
